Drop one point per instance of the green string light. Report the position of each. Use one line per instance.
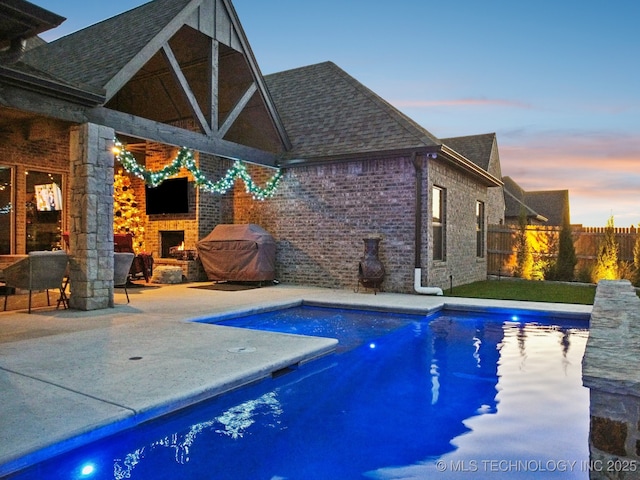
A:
(186, 160)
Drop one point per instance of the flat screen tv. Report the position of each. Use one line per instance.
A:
(48, 197)
(170, 197)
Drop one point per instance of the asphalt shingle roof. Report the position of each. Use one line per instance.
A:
(94, 55)
(327, 113)
(476, 148)
(551, 204)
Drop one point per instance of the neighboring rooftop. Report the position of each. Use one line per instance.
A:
(550, 207)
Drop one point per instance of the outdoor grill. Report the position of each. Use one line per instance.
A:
(238, 253)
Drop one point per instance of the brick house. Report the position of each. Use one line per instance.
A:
(174, 73)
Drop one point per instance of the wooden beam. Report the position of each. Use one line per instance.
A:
(253, 65)
(214, 75)
(149, 50)
(41, 104)
(174, 67)
(128, 124)
(237, 109)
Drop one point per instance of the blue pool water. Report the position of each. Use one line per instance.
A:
(405, 397)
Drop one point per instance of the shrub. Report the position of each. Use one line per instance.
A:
(636, 258)
(524, 259)
(606, 267)
(567, 260)
(585, 274)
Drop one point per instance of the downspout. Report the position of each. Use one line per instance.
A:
(417, 273)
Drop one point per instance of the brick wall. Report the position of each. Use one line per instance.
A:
(205, 208)
(212, 206)
(157, 157)
(321, 214)
(461, 262)
(36, 144)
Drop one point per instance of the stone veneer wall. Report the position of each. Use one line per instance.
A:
(320, 215)
(91, 224)
(611, 370)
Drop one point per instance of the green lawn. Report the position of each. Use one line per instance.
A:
(534, 291)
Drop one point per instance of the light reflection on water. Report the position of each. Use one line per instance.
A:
(233, 423)
(540, 427)
(460, 389)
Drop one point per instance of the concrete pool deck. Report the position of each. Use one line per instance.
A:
(65, 373)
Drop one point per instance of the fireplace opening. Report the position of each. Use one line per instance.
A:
(170, 239)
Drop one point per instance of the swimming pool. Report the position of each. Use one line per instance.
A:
(450, 395)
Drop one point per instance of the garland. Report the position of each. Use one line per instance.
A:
(185, 159)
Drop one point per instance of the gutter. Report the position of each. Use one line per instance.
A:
(417, 272)
(471, 167)
(51, 88)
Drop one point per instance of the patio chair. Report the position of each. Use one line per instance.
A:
(142, 263)
(121, 264)
(42, 270)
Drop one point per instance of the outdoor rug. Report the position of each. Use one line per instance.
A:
(228, 287)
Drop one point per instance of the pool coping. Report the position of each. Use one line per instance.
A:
(48, 375)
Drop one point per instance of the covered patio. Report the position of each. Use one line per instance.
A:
(188, 79)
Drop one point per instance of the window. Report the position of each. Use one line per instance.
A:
(44, 211)
(6, 209)
(438, 222)
(480, 229)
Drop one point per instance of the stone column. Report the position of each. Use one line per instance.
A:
(610, 369)
(91, 227)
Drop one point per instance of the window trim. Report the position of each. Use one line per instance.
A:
(439, 223)
(480, 229)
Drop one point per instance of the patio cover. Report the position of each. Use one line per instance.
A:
(238, 253)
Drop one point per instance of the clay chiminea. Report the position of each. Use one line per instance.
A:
(370, 269)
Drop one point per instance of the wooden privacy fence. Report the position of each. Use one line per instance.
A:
(501, 245)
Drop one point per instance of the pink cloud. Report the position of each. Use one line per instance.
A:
(601, 172)
(463, 102)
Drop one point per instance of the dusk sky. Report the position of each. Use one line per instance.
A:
(557, 81)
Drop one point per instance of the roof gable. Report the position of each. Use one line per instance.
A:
(96, 54)
(553, 204)
(514, 201)
(477, 148)
(183, 63)
(329, 115)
